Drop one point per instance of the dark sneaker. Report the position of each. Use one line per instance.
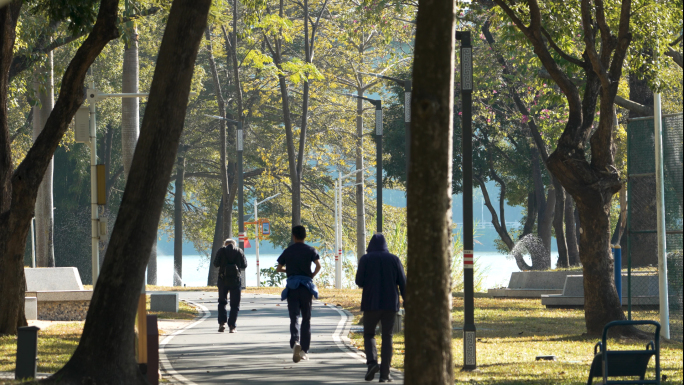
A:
(222, 328)
(297, 352)
(233, 330)
(388, 379)
(372, 369)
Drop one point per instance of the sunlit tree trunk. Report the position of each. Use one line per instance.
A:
(360, 200)
(45, 251)
(105, 351)
(178, 219)
(428, 302)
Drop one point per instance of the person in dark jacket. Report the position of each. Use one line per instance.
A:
(296, 262)
(381, 276)
(229, 254)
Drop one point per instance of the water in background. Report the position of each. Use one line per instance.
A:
(195, 268)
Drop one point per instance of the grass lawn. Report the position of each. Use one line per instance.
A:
(512, 332)
(58, 342)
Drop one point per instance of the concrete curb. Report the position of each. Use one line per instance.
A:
(165, 363)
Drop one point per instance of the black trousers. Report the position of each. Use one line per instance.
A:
(235, 294)
(370, 321)
(299, 301)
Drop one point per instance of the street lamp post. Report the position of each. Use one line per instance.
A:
(241, 211)
(378, 155)
(338, 225)
(94, 96)
(469, 340)
(407, 84)
(256, 220)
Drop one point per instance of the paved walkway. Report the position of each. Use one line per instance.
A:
(259, 353)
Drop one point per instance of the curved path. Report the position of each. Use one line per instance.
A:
(259, 353)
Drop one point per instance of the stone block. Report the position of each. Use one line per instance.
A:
(63, 310)
(167, 302)
(31, 308)
(644, 291)
(553, 280)
(53, 278)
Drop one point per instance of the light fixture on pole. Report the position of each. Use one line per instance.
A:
(86, 132)
(378, 154)
(256, 220)
(469, 340)
(338, 225)
(97, 196)
(407, 85)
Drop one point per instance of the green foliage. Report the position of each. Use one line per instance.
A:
(79, 14)
(272, 278)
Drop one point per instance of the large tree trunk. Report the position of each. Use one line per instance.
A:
(428, 302)
(12, 280)
(105, 352)
(45, 251)
(224, 170)
(360, 198)
(592, 183)
(571, 232)
(178, 220)
(563, 260)
(212, 277)
(18, 193)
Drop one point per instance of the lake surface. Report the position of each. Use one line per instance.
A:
(497, 267)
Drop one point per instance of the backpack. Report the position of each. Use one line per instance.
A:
(229, 273)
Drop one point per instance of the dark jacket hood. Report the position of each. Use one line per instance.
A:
(377, 243)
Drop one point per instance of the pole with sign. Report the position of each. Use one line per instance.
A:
(469, 340)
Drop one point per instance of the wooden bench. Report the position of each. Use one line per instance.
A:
(625, 363)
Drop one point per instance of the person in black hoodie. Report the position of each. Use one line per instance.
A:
(381, 276)
(230, 260)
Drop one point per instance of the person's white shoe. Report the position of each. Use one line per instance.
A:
(303, 356)
(297, 351)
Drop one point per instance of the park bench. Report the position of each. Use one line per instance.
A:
(625, 363)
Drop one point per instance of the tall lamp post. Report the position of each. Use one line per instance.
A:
(256, 220)
(241, 211)
(378, 154)
(469, 340)
(338, 225)
(407, 84)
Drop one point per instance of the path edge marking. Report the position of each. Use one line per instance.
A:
(166, 364)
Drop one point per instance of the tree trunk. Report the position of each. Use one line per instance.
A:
(130, 111)
(571, 232)
(105, 352)
(360, 198)
(45, 251)
(152, 264)
(18, 193)
(544, 229)
(563, 260)
(178, 220)
(601, 303)
(227, 225)
(528, 227)
(428, 302)
(215, 246)
(500, 227)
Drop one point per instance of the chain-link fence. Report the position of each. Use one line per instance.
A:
(642, 290)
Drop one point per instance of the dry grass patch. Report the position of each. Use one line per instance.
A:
(56, 344)
(512, 332)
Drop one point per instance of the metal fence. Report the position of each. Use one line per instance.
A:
(641, 246)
